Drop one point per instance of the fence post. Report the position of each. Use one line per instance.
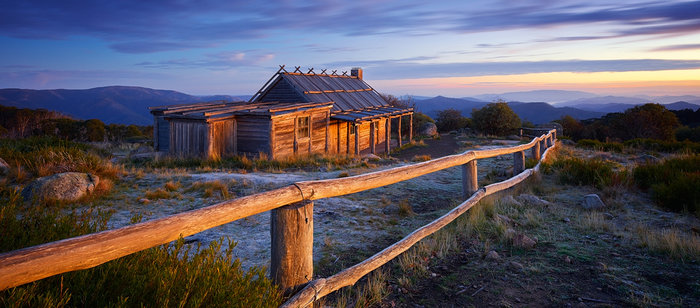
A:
(518, 162)
(292, 238)
(536, 151)
(549, 141)
(470, 182)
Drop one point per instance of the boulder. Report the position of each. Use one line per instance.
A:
(523, 241)
(4, 167)
(492, 255)
(592, 202)
(428, 129)
(67, 186)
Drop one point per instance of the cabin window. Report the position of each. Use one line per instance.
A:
(352, 129)
(303, 127)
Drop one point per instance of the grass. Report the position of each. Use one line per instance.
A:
(212, 188)
(420, 158)
(259, 162)
(42, 156)
(669, 242)
(642, 145)
(175, 274)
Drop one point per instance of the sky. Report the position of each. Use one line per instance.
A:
(427, 48)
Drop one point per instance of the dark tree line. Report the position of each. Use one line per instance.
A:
(649, 121)
(23, 122)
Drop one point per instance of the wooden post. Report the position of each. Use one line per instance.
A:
(347, 140)
(470, 183)
(518, 162)
(357, 139)
(536, 151)
(296, 138)
(543, 146)
(400, 140)
(155, 134)
(328, 133)
(311, 138)
(410, 128)
(549, 141)
(372, 136)
(387, 134)
(235, 137)
(292, 237)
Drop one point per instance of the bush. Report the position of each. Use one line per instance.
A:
(674, 183)
(495, 119)
(688, 134)
(578, 171)
(169, 275)
(601, 146)
(450, 119)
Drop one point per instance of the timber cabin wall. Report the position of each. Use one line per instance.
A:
(285, 134)
(223, 138)
(161, 130)
(253, 134)
(188, 138)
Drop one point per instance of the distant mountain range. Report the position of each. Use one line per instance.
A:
(129, 105)
(534, 112)
(115, 104)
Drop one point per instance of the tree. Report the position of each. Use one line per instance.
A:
(450, 119)
(495, 119)
(652, 121)
(94, 130)
(572, 127)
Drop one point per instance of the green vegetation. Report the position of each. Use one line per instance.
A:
(674, 183)
(174, 275)
(42, 156)
(451, 119)
(495, 119)
(579, 171)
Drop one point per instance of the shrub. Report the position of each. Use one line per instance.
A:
(451, 119)
(673, 183)
(495, 119)
(169, 275)
(578, 171)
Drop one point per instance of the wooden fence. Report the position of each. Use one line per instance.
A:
(291, 265)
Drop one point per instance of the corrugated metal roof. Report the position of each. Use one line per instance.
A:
(204, 111)
(347, 92)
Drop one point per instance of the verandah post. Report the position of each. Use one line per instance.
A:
(292, 239)
(469, 179)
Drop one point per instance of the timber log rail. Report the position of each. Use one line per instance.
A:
(291, 225)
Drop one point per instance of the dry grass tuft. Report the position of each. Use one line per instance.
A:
(671, 242)
(172, 186)
(405, 208)
(420, 158)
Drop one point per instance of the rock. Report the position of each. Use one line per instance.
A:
(371, 157)
(4, 167)
(592, 202)
(428, 129)
(566, 219)
(532, 200)
(67, 186)
(516, 265)
(523, 241)
(567, 259)
(144, 201)
(492, 255)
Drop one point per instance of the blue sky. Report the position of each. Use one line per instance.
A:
(455, 48)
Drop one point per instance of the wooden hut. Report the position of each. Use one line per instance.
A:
(293, 114)
(360, 120)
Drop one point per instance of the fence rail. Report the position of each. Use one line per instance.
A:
(291, 225)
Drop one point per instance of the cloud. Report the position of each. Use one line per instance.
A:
(216, 61)
(391, 69)
(135, 26)
(70, 78)
(678, 47)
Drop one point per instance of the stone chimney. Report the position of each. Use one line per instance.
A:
(356, 72)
